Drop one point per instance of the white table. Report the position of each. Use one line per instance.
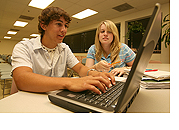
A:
(151, 101)
(156, 100)
(25, 102)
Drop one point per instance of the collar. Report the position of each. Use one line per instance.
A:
(61, 47)
(106, 57)
(37, 44)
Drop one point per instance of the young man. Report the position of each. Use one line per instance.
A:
(40, 64)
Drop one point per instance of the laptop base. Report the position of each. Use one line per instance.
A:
(69, 106)
(79, 108)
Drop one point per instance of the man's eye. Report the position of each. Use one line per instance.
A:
(59, 24)
(66, 25)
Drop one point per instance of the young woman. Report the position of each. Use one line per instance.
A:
(40, 64)
(108, 50)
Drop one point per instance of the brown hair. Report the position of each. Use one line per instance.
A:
(49, 14)
(115, 45)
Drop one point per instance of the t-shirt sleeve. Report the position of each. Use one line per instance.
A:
(91, 52)
(130, 55)
(20, 56)
(71, 59)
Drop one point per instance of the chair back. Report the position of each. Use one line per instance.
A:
(13, 87)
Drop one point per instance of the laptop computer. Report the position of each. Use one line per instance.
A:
(120, 96)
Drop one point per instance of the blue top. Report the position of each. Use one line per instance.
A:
(126, 55)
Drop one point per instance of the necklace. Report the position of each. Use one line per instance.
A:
(48, 49)
(51, 52)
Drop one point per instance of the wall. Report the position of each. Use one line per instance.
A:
(6, 46)
(164, 57)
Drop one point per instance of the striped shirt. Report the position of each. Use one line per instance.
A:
(126, 55)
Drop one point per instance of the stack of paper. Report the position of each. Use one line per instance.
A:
(154, 78)
(158, 79)
(150, 83)
(158, 75)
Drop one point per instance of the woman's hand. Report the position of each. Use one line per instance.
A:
(118, 71)
(103, 66)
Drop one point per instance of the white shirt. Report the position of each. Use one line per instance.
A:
(31, 54)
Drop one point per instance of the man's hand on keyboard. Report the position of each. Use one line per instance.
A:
(105, 75)
(90, 83)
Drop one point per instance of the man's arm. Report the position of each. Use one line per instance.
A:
(26, 80)
(82, 71)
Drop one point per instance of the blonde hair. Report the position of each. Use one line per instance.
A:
(115, 45)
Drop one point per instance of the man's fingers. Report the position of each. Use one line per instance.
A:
(111, 76)
(94, 89)
(97, 82)
(102, 80)
(100, 85)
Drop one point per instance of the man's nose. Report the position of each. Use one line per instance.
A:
(63, 29)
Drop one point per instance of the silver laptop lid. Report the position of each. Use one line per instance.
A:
(143, 56)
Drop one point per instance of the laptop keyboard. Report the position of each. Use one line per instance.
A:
(105, 99)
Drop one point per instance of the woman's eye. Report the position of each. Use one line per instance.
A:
(109, 32)
(102, 31)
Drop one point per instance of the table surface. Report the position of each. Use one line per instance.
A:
(147, 100)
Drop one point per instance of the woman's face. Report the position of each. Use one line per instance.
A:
(105, 36)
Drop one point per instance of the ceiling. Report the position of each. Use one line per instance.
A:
(11, 10)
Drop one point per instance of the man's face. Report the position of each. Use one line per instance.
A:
(56, 30)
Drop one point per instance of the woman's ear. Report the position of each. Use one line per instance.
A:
(43, 26)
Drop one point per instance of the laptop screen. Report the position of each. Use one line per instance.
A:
(143, 56)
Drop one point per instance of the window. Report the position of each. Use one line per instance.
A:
(135, 37)
(81, 42)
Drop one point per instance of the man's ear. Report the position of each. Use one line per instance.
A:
(43, 26)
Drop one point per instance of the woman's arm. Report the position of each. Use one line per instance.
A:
(100, 66)
(130, 63)
(90, 63)
(120, 71)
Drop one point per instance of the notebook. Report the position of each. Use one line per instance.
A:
(120, 96)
